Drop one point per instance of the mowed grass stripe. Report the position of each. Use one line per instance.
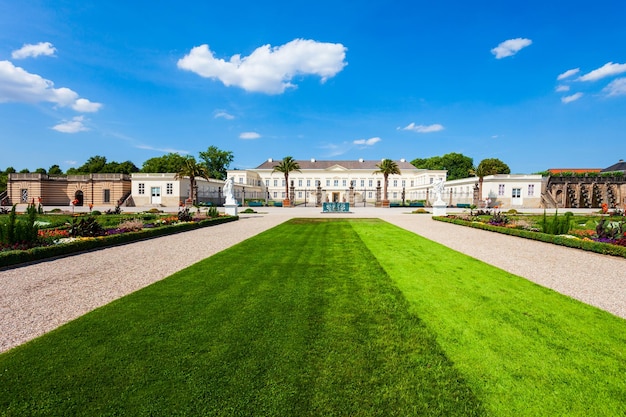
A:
(526, 350)
(300, 320)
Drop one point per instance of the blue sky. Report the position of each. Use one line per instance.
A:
(536, 84)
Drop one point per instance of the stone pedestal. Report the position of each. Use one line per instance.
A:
(230, 209)
(439, 208)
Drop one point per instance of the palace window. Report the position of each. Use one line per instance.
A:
(141, 188)
(344, 183)
(362, 183)
(275, 194)
(308, 183)
(275, 183)
(395, 183)
(336, 183)
(500, 189)
(371, 183)
(24, 193)
(299, 183)
(169, 188)
(517, 193)
(531, 190)
(267, 183)
(328, 183)
(106, 198)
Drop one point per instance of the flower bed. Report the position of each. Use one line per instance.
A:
(67, 245)
(574, 239)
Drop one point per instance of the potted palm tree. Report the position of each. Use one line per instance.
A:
(387, 167)
(192, 170)
(287, 165)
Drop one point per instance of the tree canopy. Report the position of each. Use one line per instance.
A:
(98, 165)
(492, 166)
(171, 162)
(457, 165)
(216, 161)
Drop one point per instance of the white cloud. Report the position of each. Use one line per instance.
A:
(223, 115)
(510, 47)
(249, 135)
(616, 88)
(367, 142)
(562, 88)
(18, 85)
(606, 70)
(568, 74)
(422, 128)
(573, 97)
(85, 106)
(29, 50)
(71, 126)
(268, 69)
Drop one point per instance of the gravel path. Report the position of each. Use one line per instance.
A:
(37, 298)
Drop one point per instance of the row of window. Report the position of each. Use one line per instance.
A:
(300, 194)
(516, 192)
(344, 183)
(169, 188)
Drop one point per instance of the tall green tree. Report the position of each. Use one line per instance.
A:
(287, 165)
(192, 169)
(489, 166)
(171, 162)
(94, 165)
(126, 167)
(55, 170)
(216, 161)
(457, 165)
(387, 167)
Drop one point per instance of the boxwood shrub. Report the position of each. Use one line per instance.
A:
(9, 258)
(588, 245)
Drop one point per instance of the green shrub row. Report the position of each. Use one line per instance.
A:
(588, 245)
(15, 257)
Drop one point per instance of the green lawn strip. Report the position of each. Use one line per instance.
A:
(299, 320)
(526, 350)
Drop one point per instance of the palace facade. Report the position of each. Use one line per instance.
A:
(353, 181)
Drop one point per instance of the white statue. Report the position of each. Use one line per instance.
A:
(438, 188)
(228, 192)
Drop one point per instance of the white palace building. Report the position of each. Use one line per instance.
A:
(352, 181)
(336, 181)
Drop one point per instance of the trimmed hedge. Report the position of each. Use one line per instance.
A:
(588, 245)
(9, 258)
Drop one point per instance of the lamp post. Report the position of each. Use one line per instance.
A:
(243, 200)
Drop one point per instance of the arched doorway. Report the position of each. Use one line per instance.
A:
(78, 196)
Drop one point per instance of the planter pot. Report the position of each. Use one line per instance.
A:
(385, 203)
(286, 202)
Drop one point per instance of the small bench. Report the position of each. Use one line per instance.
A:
(278, 203)
(416, 204)
(255, 204)
(463, 205)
